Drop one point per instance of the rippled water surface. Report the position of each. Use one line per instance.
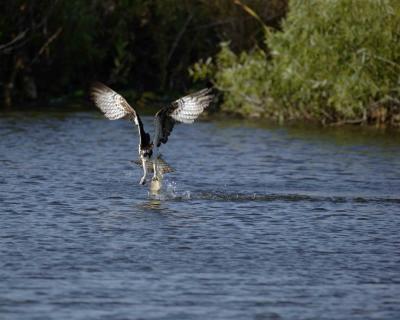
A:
(256, 223)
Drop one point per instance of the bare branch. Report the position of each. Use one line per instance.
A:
(47, 43)
(9, 46)
(178, 38)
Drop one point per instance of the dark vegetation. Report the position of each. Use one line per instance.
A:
(51, 49)
(333, 62)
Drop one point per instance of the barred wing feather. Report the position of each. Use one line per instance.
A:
(112, 104)
(188, 108)
(114, 107)
(185, 110)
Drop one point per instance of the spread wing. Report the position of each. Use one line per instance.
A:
(184, 110)
(114, 107)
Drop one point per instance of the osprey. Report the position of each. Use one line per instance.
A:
(184, 110)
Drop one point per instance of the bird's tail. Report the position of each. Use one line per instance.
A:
(163, 167)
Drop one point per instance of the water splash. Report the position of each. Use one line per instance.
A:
(170, 189)
(170, 192)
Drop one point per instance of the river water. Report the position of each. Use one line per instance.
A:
(257, 222)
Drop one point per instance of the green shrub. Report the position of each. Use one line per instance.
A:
(333, 61)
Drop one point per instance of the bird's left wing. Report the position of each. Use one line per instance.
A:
(185, 110)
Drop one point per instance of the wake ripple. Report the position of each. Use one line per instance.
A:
(170, 193)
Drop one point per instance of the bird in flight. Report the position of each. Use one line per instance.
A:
(183, 110)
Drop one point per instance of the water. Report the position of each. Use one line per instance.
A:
(256, 223)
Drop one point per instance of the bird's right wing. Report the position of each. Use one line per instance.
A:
(114, 107)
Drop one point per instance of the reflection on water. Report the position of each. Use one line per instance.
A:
(345, 135)
(152, 204)
(258, 221)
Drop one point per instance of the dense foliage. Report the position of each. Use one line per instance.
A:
(52, 48)
(334, 61)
